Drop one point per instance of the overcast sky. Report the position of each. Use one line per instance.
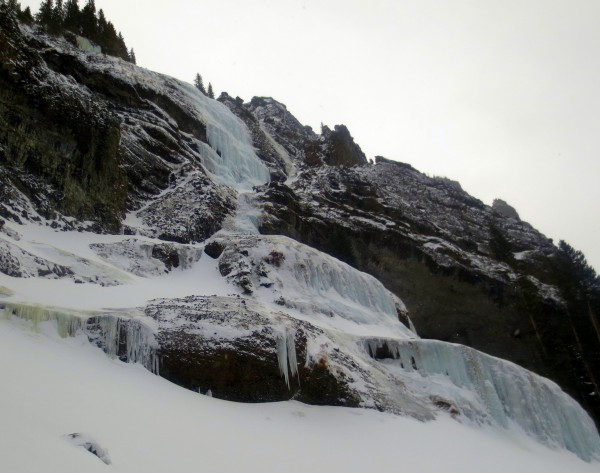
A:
(503, 96)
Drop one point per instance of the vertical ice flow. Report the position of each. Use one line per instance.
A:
(230, 157)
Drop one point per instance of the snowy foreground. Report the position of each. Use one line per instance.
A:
(53, 387)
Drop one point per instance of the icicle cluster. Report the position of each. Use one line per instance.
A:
(138, 338)
(67, 323)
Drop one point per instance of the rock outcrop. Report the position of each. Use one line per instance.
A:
(502, 208)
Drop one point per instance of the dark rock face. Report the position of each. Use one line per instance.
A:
(296, 139)
(81, 141)
(341, 150)
(62, 149)
(214, 249)
(502, 208)
(192, 211)
(227, 346)
(267, 119)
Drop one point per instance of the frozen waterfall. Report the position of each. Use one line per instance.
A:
(124, 336)
(230, 157)
(314, 282)
(490, 390)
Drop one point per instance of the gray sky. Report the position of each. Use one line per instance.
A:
(503, 96)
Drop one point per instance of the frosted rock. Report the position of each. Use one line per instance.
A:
(502, 208)
(87, 442)
(144, 258)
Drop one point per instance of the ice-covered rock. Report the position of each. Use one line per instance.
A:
(18, 263)
(313, 283)
(466, 273)
(485, 389)
(295, 322)
(146, 258)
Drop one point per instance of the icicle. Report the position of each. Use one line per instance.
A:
(291, 355)
(141, 346)
(282, 357)
(140, 342)
(109, 331)
(286, 355)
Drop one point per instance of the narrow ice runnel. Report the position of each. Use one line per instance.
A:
(503, 391)
(246, 219)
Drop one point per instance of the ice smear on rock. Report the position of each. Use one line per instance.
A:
(141, 345)
(313, 283)
(67, 323)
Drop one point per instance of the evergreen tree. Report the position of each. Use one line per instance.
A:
(583, 276)
(88, 21)
(199, 84)
(210, 92)
(103, 34)
(109, 41)
(14, 6)
(122, 52)
(45, 15)
(25, 16)
(58, 17)
(72, 20)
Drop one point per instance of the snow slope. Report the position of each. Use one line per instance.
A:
(54, 387)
